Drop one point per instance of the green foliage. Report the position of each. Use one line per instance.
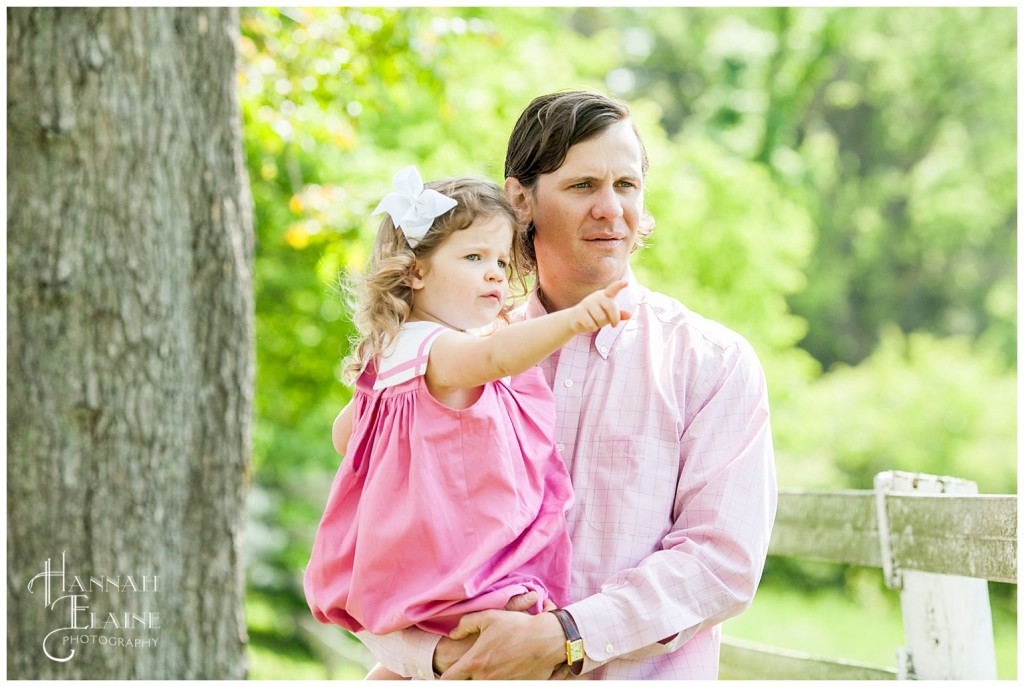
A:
(896, 128)
(838, 185)
(919, 404)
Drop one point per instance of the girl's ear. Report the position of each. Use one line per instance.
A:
(416, 274)
(520, 198)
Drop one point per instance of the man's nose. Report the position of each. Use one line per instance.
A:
(607, 205)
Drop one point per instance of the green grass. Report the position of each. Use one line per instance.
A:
(862, 623)
(863, 626)
(267, 664)
(824, 622)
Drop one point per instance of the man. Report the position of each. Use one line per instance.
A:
(662, 422)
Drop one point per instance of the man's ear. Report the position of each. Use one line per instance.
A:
(520, 198)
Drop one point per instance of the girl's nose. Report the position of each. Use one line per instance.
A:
(496, 272)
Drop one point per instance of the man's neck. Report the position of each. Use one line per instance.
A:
(550, 300)
(554, 299)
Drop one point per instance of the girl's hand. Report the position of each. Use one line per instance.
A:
(598, 309)
(525, 602)
(521, 602)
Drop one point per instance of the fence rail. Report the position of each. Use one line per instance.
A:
(972, 535)
(935, 539)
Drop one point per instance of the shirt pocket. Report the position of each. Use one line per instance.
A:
(630, 486)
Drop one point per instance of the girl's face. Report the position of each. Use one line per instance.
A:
(464, 283)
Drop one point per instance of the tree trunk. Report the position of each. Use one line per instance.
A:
(130, 344)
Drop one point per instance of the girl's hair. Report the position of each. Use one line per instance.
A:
(381, 298)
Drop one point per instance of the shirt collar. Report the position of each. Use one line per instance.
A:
(606, 337)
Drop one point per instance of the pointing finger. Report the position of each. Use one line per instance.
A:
(613, 289)
(610, 311)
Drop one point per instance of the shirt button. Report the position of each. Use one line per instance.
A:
(603, 350)
(560, 447)
(568, 383)
(609, 648)
(421, 674)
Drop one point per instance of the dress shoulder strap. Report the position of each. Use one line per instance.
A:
(406, 357)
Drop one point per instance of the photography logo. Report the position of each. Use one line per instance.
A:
(73, 601)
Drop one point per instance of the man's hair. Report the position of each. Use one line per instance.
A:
(552, 124)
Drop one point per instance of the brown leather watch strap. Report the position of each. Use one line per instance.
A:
(573, 641)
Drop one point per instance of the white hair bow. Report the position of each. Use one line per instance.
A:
(412, 207)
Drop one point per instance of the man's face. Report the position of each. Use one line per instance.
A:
(587, 212)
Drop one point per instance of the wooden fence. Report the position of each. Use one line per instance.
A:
(936, 540)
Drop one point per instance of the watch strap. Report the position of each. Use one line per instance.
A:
(573, 641)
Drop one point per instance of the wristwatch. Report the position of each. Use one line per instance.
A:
(573, 641)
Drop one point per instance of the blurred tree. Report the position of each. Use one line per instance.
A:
(129, 339)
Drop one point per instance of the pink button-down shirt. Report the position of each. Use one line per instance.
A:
(663, 424)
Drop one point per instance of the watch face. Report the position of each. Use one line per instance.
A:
(575, 650)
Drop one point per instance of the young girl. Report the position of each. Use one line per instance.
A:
(452, 497)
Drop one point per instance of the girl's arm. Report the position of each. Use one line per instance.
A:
(342, 429)
(461, 361)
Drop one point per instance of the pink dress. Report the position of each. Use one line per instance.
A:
(437, 512)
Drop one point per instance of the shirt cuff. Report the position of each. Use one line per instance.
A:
(591, 615)
(595, 618)
(407, 652)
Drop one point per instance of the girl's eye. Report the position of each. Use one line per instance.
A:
(502, 264)
(473, 257)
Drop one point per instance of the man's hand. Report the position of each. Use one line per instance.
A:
(448, 651)
(508, 646)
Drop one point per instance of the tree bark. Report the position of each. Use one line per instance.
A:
(130, 344)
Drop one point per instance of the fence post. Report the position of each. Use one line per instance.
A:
(947, 619)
